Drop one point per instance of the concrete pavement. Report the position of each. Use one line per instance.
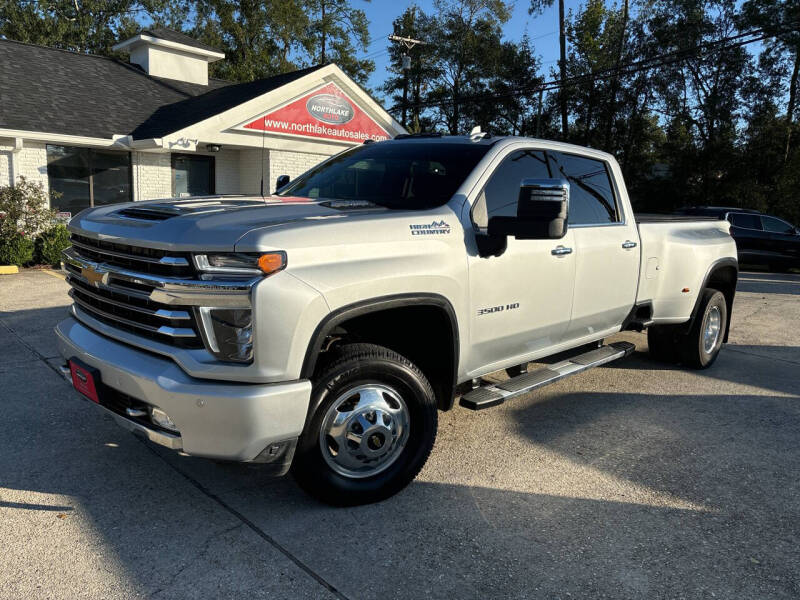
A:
(633, 480)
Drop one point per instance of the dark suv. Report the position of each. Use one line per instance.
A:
(760, 239)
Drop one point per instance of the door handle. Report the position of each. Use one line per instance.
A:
(627, 244)
(560, 251)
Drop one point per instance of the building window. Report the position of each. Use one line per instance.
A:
(192, 175)
(80, 177)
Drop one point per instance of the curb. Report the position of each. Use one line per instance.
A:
(8, 270)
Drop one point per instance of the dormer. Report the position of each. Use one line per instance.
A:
(169, 54)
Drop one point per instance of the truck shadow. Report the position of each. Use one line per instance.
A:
(657, 483)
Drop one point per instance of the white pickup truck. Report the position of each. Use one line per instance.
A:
(322, 328)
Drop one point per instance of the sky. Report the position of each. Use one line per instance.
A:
(542, 30)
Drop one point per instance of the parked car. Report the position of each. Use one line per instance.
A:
(322, 328)
(760, 239)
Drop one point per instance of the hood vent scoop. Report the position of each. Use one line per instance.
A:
(148, 214)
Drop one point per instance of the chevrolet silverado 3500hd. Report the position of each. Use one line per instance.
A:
(322, 328)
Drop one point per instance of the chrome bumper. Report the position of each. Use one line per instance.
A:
(216, 419)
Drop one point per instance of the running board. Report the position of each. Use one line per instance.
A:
(497, 393)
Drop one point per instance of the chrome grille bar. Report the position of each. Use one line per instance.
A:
(174, 332)
(177, 261)
(160, 313)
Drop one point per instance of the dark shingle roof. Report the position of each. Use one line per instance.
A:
(55, 91)
(176, 36)
(176, 116)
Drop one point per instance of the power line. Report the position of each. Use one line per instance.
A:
(627, 69)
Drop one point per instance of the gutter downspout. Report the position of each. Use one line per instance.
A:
(13, 165)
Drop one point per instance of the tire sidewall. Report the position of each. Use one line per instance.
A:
(311, 468)
(716, 299)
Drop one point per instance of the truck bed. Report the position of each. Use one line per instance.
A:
(659, 218)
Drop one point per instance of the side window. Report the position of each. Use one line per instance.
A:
(499, 197)
(776, 225)
(745, 220)
(591, 196)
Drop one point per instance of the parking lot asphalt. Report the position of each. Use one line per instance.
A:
(634, 480)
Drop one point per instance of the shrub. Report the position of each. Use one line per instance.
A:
(16, 249)
(24, 208)
(23, 216)
(50, 244)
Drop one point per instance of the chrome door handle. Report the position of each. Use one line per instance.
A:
(627, 244)
(560, 251)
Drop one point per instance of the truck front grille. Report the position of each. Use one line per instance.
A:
(132, 311)
(115, 284)
(143, 260)
(125, 303)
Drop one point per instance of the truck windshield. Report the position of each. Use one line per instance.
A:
(396, 175)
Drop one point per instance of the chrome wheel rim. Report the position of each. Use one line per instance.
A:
(364, 431)
(712, 329)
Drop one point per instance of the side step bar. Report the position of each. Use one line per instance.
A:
(497, 393)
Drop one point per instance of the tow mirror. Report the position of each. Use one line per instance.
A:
(282, 181)
(542, 210)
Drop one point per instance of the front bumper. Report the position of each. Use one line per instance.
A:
(216, 419)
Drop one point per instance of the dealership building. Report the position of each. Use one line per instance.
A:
(95, 130)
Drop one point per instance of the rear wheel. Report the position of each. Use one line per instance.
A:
(373, 428)
(700, 347)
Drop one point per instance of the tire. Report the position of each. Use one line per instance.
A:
(693, 347)
(662, 343)
(361, 382)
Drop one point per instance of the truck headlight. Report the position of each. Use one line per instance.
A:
(241, 263)
(229, 333)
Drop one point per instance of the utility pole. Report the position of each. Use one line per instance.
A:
(539, 115)
(562, 68)
(323, 26)
(409, 43)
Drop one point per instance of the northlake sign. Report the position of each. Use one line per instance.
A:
(326, 112)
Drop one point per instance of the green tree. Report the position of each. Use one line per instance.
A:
(259, 38)
(781, 20)
(536, 7)
(336, 31)
(85, 25)
(406, 87)
(467, 43)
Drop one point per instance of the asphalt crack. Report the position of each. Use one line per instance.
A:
(252, 526)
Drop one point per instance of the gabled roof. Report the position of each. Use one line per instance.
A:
(176, 36)
(173, 117)
(56, 91)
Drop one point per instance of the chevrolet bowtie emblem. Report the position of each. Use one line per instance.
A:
(95, 277)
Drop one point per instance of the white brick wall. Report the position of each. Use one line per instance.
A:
(282, 162)
(226, 171)
(152, 175)
(5, 161)
(250, 172)
(31, 162)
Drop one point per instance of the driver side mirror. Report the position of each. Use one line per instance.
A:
(282, 181)
(542, 210)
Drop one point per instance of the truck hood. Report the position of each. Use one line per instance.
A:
(210, 223)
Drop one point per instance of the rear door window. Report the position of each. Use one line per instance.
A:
(775, 225)
(744, 220)
(591, 195)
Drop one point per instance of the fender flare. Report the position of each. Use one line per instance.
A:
(715, 266)
(378, 304)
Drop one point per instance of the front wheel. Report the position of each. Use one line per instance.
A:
(373, 428)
